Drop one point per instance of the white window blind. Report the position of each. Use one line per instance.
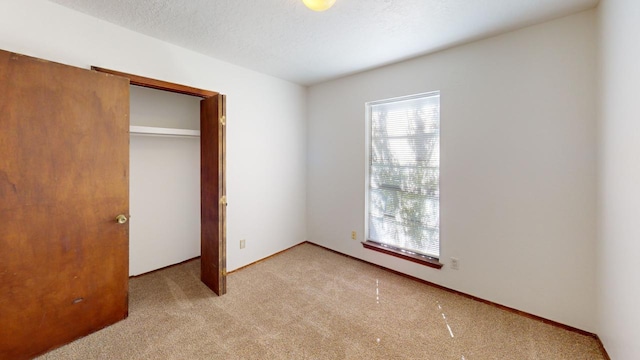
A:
(404, 173)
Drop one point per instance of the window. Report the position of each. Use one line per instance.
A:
(403, 207)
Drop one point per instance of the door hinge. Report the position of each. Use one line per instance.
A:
(223, 120)
(224, 272)
(223, 200)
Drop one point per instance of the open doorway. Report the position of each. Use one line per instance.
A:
(164, 179)
(212, 175)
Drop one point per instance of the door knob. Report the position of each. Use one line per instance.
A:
(121, 219)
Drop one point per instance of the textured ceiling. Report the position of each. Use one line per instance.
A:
(284, 39)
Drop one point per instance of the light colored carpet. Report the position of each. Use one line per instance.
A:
(310, 303)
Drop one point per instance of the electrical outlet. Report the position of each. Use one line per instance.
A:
(353, 235)
(242, 243)
(455, 263)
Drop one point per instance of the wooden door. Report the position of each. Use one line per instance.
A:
(213, 193)
(64, 177)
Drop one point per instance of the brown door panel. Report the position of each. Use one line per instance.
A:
(213, 189)
(64, 140)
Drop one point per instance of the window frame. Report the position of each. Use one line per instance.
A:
(374, 245)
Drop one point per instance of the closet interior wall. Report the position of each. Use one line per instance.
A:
(164, 181)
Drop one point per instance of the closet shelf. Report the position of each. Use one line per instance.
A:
(158, 131)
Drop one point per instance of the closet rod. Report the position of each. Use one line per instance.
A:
(158, 131)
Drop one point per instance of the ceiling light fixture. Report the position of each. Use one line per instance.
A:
(319, 5)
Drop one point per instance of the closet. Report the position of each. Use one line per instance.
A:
(164, 179)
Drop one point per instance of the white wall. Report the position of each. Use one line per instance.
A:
(518, 166)
(619, 169)
(164, 228)
(164, 181)
(157, 108)
(266, 129)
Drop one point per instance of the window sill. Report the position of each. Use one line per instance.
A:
(419, 259)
